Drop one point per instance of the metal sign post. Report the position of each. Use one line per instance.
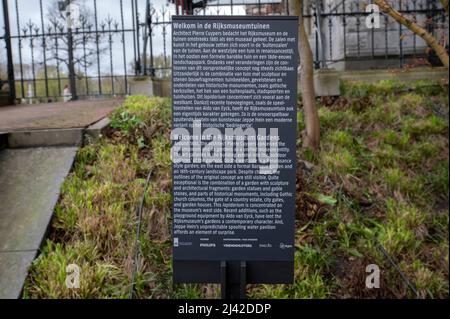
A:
(233, 280)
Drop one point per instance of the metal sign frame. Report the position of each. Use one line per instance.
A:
(233, 275)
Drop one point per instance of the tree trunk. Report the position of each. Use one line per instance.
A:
(424, 34)
(311, 135)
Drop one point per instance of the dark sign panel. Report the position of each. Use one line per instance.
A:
(234, 138)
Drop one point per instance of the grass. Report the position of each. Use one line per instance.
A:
(380, 177)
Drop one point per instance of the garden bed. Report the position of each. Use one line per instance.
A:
(377, 189)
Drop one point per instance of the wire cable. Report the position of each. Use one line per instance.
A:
(137, 247)
(397, 268)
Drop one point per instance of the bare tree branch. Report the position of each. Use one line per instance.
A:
(84, 54)
(411, 25)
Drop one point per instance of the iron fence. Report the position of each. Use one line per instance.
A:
(95, 57)
(341, 36)
(116, 41)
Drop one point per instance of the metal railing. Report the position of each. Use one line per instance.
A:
(117, 40)
(340, 33)
(95, 58)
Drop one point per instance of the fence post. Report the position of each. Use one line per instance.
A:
(322, 62)
(11, 80)
(73, 83)
(152, 62)
(72, 75)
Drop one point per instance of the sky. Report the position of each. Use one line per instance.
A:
(29, 10)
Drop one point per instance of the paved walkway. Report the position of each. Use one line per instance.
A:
(54, 115)
(31, 178)
(30, 182)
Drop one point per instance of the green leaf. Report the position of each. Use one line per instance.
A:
(355, 253)
(327, 200)
(141, 143)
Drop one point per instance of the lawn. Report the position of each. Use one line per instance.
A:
(375, 193)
